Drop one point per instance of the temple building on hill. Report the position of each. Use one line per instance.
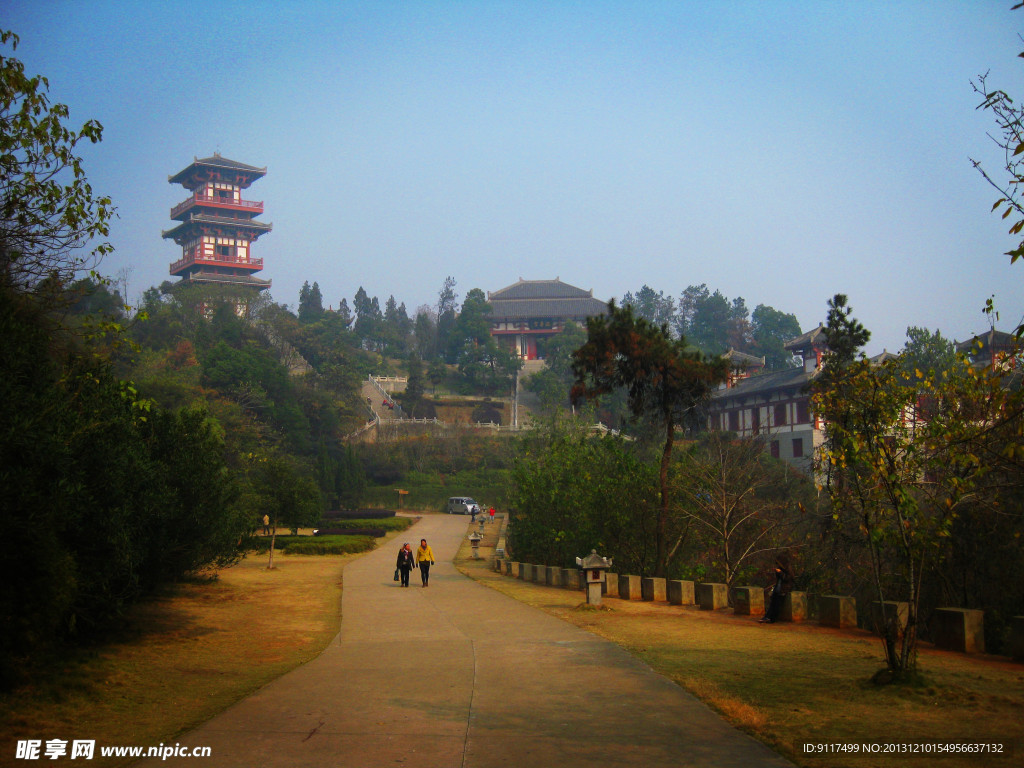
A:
(526, 313)
(775, 405)
(217, 226)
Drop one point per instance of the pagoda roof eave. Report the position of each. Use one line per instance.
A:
(220, 163)
(217, 221)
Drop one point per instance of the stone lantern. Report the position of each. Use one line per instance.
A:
(474, 541)
(594, 566)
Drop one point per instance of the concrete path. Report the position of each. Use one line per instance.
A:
(457, 675)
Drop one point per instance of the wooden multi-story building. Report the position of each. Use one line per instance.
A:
(525, 314)
(217, 227)
(774, 406)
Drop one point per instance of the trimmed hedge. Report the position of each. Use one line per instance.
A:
(348, 526)
(321, 545)
(374, 532)
(358, 514)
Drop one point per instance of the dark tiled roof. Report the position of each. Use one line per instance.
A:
(812, 338)
(540, 289)
(1000, 339)
(203, 218)
(217, 277)
(526, 309)
(217, 162)
(791, 378)
(738, 358)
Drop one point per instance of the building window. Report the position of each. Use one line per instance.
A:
(798, 447)
(774, 446)
(780, 415)
(734, 421)
(755, 421)
(802, 414)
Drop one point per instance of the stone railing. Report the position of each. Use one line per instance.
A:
(955, 629)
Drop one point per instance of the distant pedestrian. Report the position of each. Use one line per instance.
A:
(425, 559)
(783, 583)
(490, 513)
(473, 509)
(405, 563)
(266, 525)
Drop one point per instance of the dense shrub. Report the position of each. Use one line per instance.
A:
(374, 532)
(358, 514)
(308, 545)
(105, 497)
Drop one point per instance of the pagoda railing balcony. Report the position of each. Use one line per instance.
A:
(220, 202)
(225, 261)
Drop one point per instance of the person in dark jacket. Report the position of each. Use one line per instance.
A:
(405, 563)
(783, 583)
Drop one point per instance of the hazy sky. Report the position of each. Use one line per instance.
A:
(778, 151)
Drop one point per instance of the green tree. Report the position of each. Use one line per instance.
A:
(898, 464)
(286, 492)
(553, 383)
(48, 210)
(446, 316)
(572, 492)
(706, 319)
(1009, 139)
(770, 330)
(311, 303)
(654, 307)
(482, 362)
(927, 351)
(663, 379)
(415, 386)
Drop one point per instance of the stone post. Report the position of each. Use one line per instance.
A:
(611, 584)
(748, 601)
(893, 609)
(959, 629)
(652, 589)
(794, 607)
(680, 592)
(554, 576)
(712, 596)
(837, 611)
(629, 587)
(1017, 637)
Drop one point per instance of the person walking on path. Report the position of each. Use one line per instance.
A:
(405, 563)
(266, 525)
(490, 519)
(425, 559)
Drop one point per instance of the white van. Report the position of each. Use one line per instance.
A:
(462, 505)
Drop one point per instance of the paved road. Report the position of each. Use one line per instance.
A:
(458, 675)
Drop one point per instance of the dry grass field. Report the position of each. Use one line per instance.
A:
(792, 683)
(184, 657)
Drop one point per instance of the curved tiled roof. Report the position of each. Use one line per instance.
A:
(217, 162)
(203, 218)
(795, 378)
(569, 309)
(540, 289)
(554, 299)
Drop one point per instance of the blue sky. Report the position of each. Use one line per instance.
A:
(778, 151)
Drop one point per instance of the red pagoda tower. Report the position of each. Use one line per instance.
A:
(217, 226)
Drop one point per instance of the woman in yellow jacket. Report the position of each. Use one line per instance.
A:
(425, 559)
